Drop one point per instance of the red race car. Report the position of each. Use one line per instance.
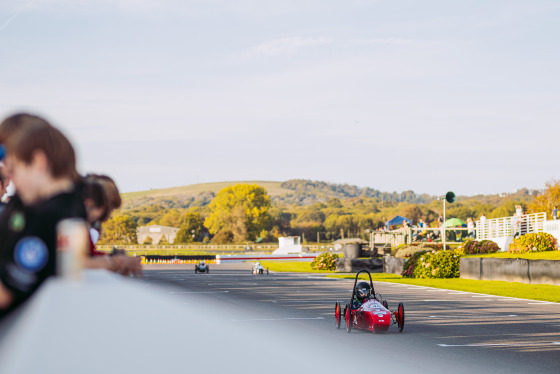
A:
(366, 311)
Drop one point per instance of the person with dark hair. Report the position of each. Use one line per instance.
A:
(98, 194)
(4, 182)
(41, 163)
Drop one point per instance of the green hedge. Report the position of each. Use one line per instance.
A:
(325, 261)
(433, 264)
(408, 250)
(536, 242)
(472, 247)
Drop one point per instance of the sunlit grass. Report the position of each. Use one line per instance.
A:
(548, 255)
(543, 292)
(291, 266)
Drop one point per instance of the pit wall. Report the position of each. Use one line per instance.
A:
(500, 269)
(511, 270)
(393, 265)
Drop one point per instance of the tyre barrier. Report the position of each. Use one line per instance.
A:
(177, 259)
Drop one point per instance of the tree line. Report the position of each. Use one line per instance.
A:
(245, 212)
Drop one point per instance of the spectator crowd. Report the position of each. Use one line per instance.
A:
(40, 162)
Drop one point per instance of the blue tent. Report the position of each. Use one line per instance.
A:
(398, 220)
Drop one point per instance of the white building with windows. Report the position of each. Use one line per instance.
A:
(156, 233)
(289, 245)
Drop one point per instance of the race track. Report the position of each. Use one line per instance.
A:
(444, 331)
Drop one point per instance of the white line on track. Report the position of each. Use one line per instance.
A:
(542, 303)
(498, 344)
(458, 300)
(198, 291)
(478, 316)
(277, 319)
(303, 301)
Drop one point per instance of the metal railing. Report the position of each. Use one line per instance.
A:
(414, 234)
(507, 226)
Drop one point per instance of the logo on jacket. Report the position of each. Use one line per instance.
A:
(31, 253)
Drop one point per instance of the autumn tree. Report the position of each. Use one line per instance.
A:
(331, 224)
(242, 209)
(190, 228)
(547, 201)
(172, 218)
(119, 229)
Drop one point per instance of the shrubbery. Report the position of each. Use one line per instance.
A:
(536, 242)
(325, 261)
(410, 249)
(471, 247)
(410, 264)
(433, 264)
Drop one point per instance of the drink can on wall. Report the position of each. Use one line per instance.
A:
(72, 241)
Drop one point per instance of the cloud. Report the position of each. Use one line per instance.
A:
(286, 46)
(289, 46)
(14, 15)
(384, 41)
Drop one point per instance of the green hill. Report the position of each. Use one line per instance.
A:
(292, 192)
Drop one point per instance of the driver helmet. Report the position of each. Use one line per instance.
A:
(363, 291)
(258, 263)
(202, 263)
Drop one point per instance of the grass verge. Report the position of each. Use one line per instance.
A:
(547, 255)
(291, 266)
(542, 292)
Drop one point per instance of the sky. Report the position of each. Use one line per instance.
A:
(430, 96)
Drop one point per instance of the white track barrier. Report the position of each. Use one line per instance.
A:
(108, 324)
(241, 258)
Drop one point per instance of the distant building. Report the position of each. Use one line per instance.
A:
(289, 245)
(156, 233)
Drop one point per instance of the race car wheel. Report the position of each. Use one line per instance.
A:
(385, 304)
(266, 271)
(207, 270)
(337, 315)
(348, 318)
(400, 316)
(195, 270)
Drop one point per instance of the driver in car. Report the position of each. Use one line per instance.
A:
(362, 294)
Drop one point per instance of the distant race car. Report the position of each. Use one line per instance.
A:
(259, 269)
(201, 268)
(367, 312)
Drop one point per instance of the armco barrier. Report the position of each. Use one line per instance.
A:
(511, 270)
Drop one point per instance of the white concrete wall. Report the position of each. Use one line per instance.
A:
(108, 324)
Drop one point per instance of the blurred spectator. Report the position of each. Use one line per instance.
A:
(4, 182)
(470, 226)
(41, 163)
(515, 225)
(101, 196)
(555, 213)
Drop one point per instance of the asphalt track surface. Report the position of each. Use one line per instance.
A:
(445, 331)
